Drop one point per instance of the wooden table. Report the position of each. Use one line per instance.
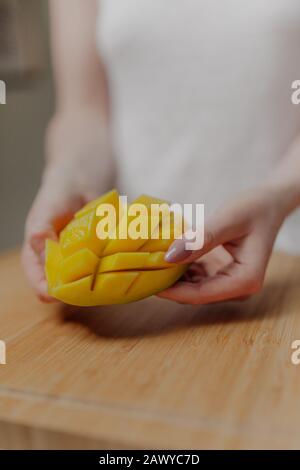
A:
(151, 374)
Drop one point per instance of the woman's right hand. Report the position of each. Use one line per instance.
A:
(78, 170)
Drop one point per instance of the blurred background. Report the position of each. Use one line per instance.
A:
(25, 67)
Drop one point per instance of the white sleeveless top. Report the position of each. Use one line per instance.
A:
(200, 96)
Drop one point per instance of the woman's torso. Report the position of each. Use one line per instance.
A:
(200, 95)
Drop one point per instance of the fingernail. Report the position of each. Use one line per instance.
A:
(176, 254)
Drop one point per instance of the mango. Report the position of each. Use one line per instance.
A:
(85, 270)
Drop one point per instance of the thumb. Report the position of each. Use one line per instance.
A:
(217, 231)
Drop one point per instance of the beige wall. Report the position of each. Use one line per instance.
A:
(22, 125)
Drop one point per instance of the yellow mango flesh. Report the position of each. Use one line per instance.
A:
(81, 231)
(83, 270)
(53, 259)
(132, 261)
(76, 266)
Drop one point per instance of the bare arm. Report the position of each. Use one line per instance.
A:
(78, 165)
(79, 74)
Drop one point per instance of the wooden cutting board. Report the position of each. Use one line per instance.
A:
(153, 374)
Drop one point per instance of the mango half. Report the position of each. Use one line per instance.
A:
(85, 270)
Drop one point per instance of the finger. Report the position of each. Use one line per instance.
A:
(233, 282)
(38, 241)
(34, 270)
(218, 230)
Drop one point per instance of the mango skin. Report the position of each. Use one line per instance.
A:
(83, 270)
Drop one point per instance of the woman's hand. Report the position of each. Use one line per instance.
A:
(77, 171)
(238, 242)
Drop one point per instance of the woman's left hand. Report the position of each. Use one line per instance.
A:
(238, 242)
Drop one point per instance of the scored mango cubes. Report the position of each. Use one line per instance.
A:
(85, 270)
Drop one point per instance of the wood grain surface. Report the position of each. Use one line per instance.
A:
(153, 374)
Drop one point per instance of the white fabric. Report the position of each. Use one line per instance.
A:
(201, 95)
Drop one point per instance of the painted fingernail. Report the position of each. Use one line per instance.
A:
(176, 254)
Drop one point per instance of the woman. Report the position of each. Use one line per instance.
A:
(189, 101)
